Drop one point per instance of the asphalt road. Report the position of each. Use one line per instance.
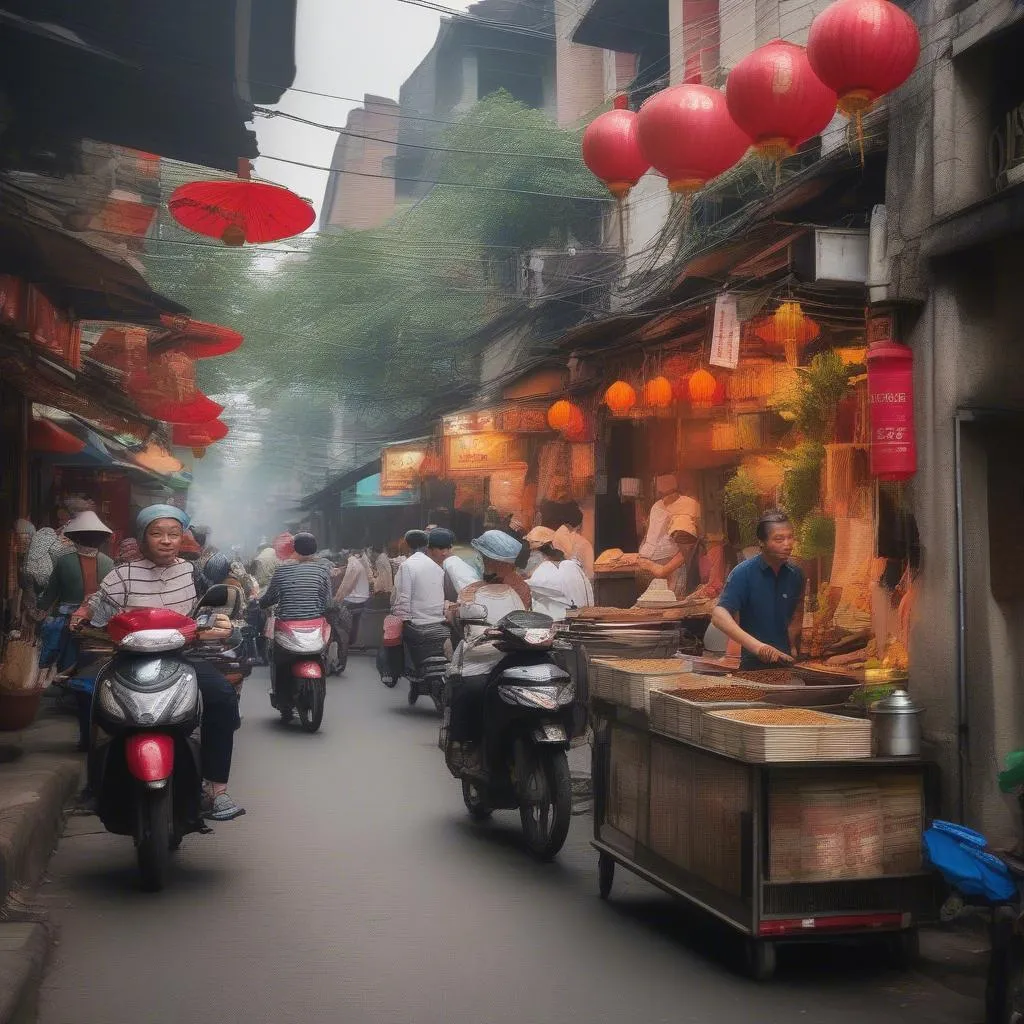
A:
(357, 890)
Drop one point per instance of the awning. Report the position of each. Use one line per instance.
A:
(75, 276)
(624, 26)
(366, 494)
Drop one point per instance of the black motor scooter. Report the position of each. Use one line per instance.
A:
(144, 758)
(526, 724)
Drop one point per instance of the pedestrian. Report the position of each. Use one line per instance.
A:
(76, 577)
(763, 596)
(354, 591)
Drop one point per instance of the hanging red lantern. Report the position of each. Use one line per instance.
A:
(620, 397)
(560, 414)
(611, 149)
(658, 393)
(774, 95)
(237, 212)
(45, 436)
(702, 387)
(863, 49)
(891, 398)
(200, 340)
(688, 135)
(788, 328)
(198, 435)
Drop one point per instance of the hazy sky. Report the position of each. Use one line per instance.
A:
(343, 48)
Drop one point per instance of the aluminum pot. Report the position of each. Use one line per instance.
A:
(896, 726)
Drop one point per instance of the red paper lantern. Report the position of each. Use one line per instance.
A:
(891, 398)
(658, 393)
(863, 49)
(702, 387)
(774, 95)
(45, 436)
(788, 328)
(688, 135)
(560, 414)
(611, 149)
(240, 211)
(620, 397)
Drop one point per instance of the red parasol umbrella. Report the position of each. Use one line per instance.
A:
(198, 435)
(200, 340)
(237, 212)
(46, 436)
(167, 391)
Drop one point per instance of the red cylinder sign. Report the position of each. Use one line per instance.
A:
(891, 396)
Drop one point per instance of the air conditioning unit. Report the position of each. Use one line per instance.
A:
(832, 256)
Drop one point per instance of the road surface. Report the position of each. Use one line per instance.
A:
(357, 890)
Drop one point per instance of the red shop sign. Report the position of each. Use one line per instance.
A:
(891, 397)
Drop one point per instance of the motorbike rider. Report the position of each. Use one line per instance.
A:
(419, 586)
(301, 589)
(162, 579)
(499, 551)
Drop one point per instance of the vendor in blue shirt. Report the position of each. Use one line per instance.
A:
(760, 605)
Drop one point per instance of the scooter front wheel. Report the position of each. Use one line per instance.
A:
(546, 795)
(153, 837)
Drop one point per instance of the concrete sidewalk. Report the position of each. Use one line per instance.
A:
(40, 773)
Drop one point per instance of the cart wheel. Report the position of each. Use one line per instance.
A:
(605, 875)
(761, 959)
(905, 948)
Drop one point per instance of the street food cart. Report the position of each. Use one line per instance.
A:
(786, 834)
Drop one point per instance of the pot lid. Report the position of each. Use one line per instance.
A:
(898, 702)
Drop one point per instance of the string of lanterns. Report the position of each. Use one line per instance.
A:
(775, 100)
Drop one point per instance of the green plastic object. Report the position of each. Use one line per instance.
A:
(1012, 775)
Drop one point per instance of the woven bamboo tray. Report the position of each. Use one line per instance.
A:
(677, 716)
(785, 734)
(628, 681)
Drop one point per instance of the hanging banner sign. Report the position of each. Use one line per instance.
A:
(400, 468)
(480, 453)
(725, 336)
(476, 422)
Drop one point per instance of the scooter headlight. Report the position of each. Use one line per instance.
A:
(164, 707)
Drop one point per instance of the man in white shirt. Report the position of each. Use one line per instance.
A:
(418, 597)
(658, 545)
(354, 591)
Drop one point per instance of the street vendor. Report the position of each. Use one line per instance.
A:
(688, 570)
(658, 545)
(761, 604)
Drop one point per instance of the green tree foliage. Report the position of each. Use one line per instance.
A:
(385, 319)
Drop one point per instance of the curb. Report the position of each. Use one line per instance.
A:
(23, 952)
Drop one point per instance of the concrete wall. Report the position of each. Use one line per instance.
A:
(361, 192)
(579, 71)
(966, 309)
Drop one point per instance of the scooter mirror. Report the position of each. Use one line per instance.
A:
(215, 597)
(472, 613)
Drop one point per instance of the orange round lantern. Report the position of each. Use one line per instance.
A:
(560, 414)
(702, 387)
(658, 392)
(790, 329)
(620, 397)
(576, 429)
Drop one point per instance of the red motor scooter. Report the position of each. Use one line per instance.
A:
(298, 670)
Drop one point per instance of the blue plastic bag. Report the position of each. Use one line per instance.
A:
(959, 854)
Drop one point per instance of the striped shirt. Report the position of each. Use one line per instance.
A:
(143, 584)
(300, 590)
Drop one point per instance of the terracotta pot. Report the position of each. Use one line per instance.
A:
(18, 710)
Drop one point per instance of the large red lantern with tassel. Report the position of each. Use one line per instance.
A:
(863, 49)
(689, 136)
(774, 95)
(611, 149)
(891, 397)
